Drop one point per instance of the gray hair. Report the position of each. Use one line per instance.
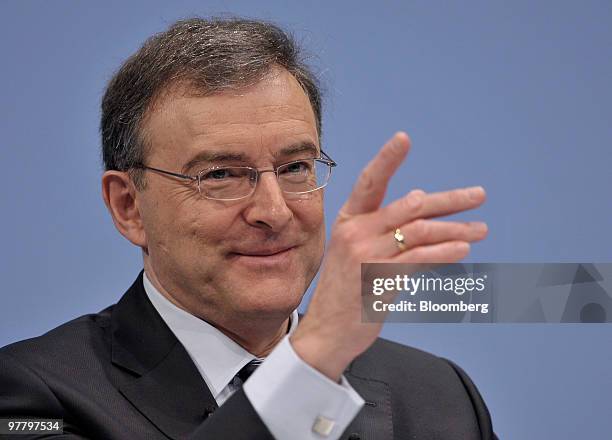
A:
(211, 55)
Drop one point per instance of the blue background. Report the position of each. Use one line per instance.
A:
(515, 96)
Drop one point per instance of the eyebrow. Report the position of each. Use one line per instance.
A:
(228, 156)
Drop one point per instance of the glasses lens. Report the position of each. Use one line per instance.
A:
(303, 176)
(227, 183)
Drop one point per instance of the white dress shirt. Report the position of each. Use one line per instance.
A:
(294, 400)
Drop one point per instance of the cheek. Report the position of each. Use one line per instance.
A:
(183, 230)
(206, 229)
(308, 211)
(316, 217)
(155, 221)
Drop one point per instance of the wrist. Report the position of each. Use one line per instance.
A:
(320, 353)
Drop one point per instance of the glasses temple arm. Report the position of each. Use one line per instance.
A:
(169, 173)
(331, 161)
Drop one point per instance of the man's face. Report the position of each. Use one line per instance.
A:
(221, 259)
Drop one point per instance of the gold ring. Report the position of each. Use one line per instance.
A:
(399, 240)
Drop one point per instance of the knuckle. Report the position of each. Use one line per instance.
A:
(343, 215)
(421, 229)
(366, 181)
(413, 201)
(465, 231)
(389, 152)
(417, 197)
(417, 194)
(454, 197)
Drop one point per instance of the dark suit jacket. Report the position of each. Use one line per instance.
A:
(122, 374)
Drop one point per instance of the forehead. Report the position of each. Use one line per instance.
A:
(259, 121)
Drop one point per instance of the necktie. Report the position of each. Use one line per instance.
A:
(248, 369)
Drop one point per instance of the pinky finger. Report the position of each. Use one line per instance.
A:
(447, 252)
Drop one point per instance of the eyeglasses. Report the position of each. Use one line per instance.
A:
(238, 182)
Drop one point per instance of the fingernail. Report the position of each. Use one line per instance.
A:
(399, 142)
(463, 246)
(480, 226)
(475, 192)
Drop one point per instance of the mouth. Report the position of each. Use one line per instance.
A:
(264, 257)
(263, 252)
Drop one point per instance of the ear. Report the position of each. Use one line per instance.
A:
(120, 197)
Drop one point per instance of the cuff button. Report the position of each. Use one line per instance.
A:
(323, 426)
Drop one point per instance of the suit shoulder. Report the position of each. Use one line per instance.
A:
(421, 385)
(385, 348)
(384, 358)
(66, 340)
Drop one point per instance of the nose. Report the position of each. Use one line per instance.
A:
(267, 207)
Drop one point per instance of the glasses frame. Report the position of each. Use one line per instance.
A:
(324, 158)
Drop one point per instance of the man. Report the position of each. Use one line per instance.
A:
(211, 143)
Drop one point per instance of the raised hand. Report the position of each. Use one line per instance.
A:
(332, 333)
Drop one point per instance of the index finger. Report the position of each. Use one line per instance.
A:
(369, 191)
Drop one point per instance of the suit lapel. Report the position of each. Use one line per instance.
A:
(164, 384)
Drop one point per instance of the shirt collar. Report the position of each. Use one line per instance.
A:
(217, 357)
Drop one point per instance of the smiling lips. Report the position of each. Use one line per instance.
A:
(266, 257)
(263, 252)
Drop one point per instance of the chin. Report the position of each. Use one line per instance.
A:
(269, 298)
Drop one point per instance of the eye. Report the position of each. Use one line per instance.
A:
(218, 174)
(302, 167)
(227, 175)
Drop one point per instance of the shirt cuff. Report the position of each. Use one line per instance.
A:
(297, 402)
